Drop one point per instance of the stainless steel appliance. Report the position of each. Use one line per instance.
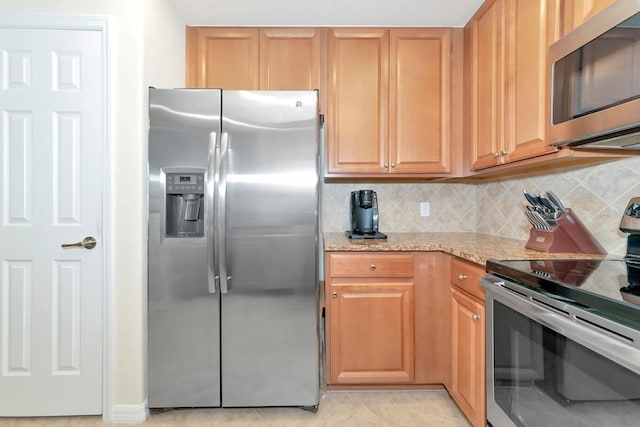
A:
(563, 345)
(563, 338)
(364, 215)
(595, 79)
(233, 238)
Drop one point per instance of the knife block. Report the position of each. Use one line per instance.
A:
(568, 236)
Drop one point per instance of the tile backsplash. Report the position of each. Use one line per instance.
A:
(452, 206)
(597, 194)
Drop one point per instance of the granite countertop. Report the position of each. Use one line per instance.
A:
(474, 247)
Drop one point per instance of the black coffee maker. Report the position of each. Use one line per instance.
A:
(364, 216)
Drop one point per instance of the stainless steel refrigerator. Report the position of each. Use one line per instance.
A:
(233, 241)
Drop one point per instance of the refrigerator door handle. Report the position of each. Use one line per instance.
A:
(210, 216)
(221, 217)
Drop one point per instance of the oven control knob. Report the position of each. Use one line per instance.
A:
(634, 210)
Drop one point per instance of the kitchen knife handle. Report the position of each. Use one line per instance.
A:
(222, 213)
(209, 212)
(557, 201)
(533, 201)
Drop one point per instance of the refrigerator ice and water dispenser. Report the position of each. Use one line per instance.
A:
(183, 199)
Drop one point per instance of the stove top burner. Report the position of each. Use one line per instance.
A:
(607, 287)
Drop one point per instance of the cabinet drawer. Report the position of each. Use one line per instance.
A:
(466, 276)
(371, 265)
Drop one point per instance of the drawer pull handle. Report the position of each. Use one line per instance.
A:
(334, 294)
(461, 277)
(475, 317)
(372, 267)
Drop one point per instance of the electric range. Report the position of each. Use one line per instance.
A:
(609, 288)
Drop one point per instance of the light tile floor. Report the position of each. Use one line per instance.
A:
(337, 408)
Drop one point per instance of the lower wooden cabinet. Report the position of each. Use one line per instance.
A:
(468, 382)
(386, 318)
(372, 332)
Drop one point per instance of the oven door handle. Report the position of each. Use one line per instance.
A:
(597, 340)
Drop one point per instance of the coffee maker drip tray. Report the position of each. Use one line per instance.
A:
(377, 235)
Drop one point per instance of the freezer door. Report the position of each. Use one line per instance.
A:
(270, 352)
(184, 317)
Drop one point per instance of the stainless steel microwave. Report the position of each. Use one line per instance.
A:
(595, 81)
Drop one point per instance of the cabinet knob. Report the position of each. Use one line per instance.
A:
(386, 165)
(496, 154)
(334, 294)
(461, 277)
(503, 153)
(393, 165)
(372, 267)
(475, 317)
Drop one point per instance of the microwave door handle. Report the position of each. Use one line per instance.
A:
(213, 162)
(221, 214)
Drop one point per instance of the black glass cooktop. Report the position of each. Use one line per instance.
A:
(607, 287)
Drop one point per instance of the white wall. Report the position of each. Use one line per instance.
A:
(164, 45)
(127, 180)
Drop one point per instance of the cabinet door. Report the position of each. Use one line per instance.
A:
(526, 101)
(356, 126)
(578, 11)
(420, 100)
(468, 379)
(371, 333)
(487, 93)
(224, 58)
(290, 59)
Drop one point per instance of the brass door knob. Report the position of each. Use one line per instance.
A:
(87, 243)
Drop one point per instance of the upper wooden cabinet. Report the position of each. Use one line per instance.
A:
(507, 59)
(255, 58)
(486, 97)
(226, 58)
(575, 12)
(356, 125)
(420, 68)
(389, 101)
(290, 58)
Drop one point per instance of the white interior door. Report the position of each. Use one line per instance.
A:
(51, 159)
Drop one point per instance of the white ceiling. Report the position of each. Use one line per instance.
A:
(419, 13)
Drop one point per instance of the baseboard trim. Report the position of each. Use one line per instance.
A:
(129, 414)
